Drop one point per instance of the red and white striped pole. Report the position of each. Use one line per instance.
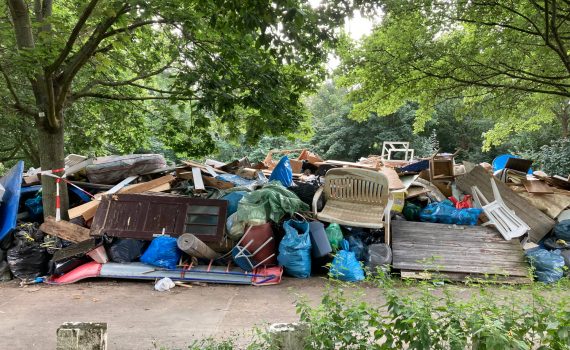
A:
(57, 193)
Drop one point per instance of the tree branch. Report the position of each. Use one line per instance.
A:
(85, 52)
(140, 76)
(132, 26)
(129, 98)
(17, 103)
(73, 36)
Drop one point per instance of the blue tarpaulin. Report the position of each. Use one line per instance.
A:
(12, 182)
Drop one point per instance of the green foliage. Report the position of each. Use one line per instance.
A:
(500, 58)
(417, 316)
(231, 150)
(337, 136)
(553, 158)
(130, 75)
(212, 344)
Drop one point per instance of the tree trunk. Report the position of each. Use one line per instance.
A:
(52, 157)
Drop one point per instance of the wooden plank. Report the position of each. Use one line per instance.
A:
(147, 186)
(122, 184)
(197, 178)
(411, 243)
(347, 164)
(414, 191)
(201, 166)
(394, 182)
(426, 256)
(540, 224)
(419, 246)
(212, 182)
(83, 209)
(160, 188)
(65, 230)
(463, 277)
(486, 270)
(536, 186)
(211, 171)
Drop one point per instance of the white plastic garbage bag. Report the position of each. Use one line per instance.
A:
(164, 284)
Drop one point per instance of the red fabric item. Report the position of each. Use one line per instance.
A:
(464, 203)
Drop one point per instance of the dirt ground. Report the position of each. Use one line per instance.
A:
(138, 317)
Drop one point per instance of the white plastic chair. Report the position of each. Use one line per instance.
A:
(504, 219)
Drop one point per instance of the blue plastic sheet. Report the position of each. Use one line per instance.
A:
(562, 230)
(233, 199)
(345, 266)
(549, 265)
(162, 252)
(500, 162)
(9, 207)
(446, 213)
(295, 249)
(283, 172)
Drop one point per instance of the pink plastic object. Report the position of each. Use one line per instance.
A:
(88, 270)
(264, 273)
(99, 255)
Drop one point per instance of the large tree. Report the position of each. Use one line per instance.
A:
(242, 63)
(509, 59)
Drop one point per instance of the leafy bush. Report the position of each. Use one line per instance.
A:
(554, 158)
(422, 317)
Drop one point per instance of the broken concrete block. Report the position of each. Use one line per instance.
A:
(82, 336)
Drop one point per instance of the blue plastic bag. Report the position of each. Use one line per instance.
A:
(283, 172)
(446, 213)
(162, 252)
(35, 207)
(562, 230)
(345, 266)
(357, 247)
(233, 199)
(548, 265)
(295, 249)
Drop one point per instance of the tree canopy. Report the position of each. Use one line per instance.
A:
(181, 67)
(508, 59)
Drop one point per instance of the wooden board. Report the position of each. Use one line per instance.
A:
(65, 230)
(394, 182)
(458, 251)
(552, 204)
(540, 224)
(197, 178)
(347, 164)
(212, 182)
(147, 186)
(536, 186)
(415, 192)
(464, 277)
